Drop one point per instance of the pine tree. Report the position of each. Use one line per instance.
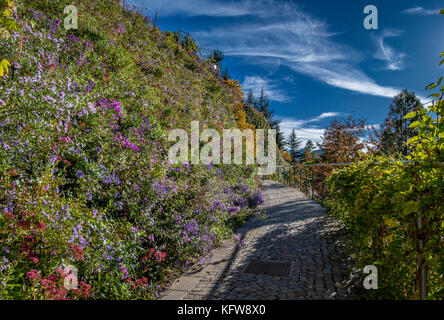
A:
(280, 139)
(216, 57)
(395, 130)
(262, 104)
(225, 74)
(293, 145)
(308, 150)
(249, 99)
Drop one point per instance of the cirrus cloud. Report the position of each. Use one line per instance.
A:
(420, 11)
(271, 88)
(293, 38)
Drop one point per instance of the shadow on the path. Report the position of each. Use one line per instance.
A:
(300, 232)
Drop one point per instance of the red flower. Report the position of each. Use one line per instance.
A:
(140, 282)
(78, 251)
(34, 275)
(29, 239)
(9, 215)
(160, 256)
(24, 224)
(85, 288)
(62, 273)
(28, 213)
(41, 225)
(66, 140)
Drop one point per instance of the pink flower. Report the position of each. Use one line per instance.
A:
(34, 275)
(41, 225)
(85, 289)
(78, 252)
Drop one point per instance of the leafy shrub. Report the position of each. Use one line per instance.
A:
(394, 209)
(379, 203)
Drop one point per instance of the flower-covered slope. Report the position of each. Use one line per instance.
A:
(84, 174)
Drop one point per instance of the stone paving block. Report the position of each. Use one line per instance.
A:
(173, 295)
(184, 284)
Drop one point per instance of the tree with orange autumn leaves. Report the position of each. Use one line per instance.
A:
(239, 109)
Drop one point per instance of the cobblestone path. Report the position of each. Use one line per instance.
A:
(289, 228)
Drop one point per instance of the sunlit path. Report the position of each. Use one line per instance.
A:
(292, 251)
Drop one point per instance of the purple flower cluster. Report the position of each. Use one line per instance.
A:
(110, 104)
(257, 199)
(125, 142)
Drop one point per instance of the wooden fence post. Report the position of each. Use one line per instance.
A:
(300, 178)
(289, 176)
(312, 182)
(323, 186)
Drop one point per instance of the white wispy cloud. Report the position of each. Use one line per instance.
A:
(295, 39)
(325, 115)
(393, 60)
(420, 11)
(303, 128)
(346, 77)
(192, 8)
(271, 88)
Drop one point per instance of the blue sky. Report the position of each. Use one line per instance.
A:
(314, 58)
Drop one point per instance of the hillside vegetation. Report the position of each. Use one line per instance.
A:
(84, 173)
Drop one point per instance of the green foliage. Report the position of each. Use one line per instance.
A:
(396, 131)
(4, 64)
(309, 152)
(7, 25)
(380, 199)
(7, 7)
(216, 57)
(262, 105)
(379, 203)
(189, 44)
(428, 143)
(294, 144)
